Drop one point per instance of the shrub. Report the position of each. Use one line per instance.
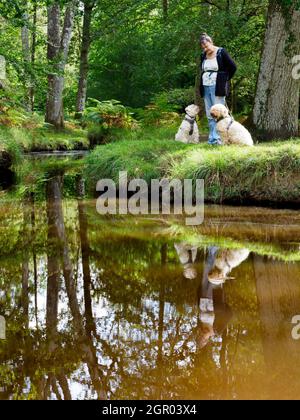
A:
(166, 107)
(153, 115)
(109, 114)
(97, 134)
(175, 100)
(104, 118)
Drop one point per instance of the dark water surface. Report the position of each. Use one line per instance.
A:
(144, 308)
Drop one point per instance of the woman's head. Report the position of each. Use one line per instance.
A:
(206, 43)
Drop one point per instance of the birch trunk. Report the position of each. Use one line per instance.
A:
(58, 50)
(276, 107)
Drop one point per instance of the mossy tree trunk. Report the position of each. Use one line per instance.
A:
(276, 107)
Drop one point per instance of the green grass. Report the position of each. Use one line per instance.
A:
(141, 159)
(45, 138)
(267, 172)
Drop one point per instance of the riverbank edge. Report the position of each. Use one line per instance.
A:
(267, 174)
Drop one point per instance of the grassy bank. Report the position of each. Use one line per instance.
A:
(267, 172)
(44, 138)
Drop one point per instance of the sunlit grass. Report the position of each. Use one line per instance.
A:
(44, 138)
(267, 172)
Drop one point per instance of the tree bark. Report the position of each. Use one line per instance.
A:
(84, 56)
(33, 52)
(165, 4)
(58, 50)
(276, 107)
(26, 59)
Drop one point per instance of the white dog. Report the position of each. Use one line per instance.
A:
(188, 131)
(226, 260)
(231, 131)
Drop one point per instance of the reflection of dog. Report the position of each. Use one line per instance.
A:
(231, 131)
(226, 260)
(188, 131)
(187, 255)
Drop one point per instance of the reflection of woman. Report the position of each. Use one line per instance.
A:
(214, 312)
(217, 69)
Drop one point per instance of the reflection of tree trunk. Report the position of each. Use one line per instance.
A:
(53, 261)
(25, 265)
(278, 292)
(35, 275)
(55, 209)
(164, 256)
(85, 255)
(25, 291)
(52, 295)
(53, 284)
(164, 250)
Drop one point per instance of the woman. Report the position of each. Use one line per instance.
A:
(217, 69)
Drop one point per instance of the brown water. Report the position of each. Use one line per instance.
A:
(129, 308)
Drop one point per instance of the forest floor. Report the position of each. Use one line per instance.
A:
(268, 172)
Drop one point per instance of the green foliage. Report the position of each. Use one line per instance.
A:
(108, 114)
(175, 99)
(154, 115)
(104, 118)
(134, 62)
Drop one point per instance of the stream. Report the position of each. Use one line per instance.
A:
(123, 307)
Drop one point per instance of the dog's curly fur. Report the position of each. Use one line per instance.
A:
(183, 134)
(231, 132)
(226, 260)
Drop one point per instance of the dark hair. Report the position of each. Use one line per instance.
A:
(205, 38)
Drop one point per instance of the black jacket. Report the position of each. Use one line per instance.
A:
(227, 69)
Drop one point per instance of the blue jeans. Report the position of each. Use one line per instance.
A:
(210, 99)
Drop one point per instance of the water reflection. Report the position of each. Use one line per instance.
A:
(101, 308)
(214, 313)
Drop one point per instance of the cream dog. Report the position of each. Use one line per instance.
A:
(231, 131)
(226, 260)
(188, 131)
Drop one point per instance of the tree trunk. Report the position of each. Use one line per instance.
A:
(84, 56)
(33, 52)
(26, 59)
(276, 107)
(58, 50)
(165, 4)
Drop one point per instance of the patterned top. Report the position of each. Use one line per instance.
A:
(210, 67)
